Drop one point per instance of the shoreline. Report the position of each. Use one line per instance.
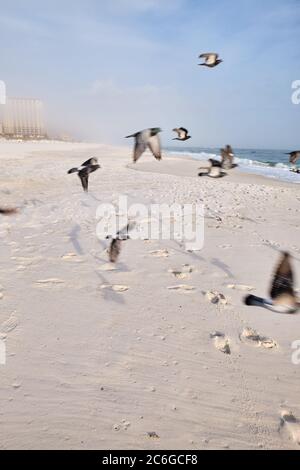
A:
(170, 164)
(175, 165)
(277, 171)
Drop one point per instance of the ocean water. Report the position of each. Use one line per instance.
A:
(270, 163)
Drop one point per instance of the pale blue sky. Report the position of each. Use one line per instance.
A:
(105, 68)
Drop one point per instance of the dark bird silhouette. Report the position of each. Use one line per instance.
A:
(147, 138)
(85, 170)
(116, 242)
(211, 59)
(284, 299)
(8, 211)
(182, 134)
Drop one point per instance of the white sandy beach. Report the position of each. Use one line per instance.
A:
(91, 368)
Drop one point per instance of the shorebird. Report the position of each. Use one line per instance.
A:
(283, 297)
(294, 156)
(211, 59)
(214, 171)
(8, 211)
(182, 134)
(85, 170)
(116, 242)
(147, 138)
(227, 155)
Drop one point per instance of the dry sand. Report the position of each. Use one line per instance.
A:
(94, 366)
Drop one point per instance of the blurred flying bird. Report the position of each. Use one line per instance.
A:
(8, 211)
(85, 170)
(211, 59)
(284, 299)
(214, 170)
(182, 134)
(227, 155)
(116, 242)
(147, 138)
(294, 156)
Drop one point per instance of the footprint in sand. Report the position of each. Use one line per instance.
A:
(115, 288)
(8, 326)
(182, 288)
(221, 342)
(152, 435)
(251, 337)
(69, 256)
(108, 267)
(240, 287)
(47, 282)
(160, 253)
(290, 425)
(26, 261)
(216, 298)
(183, 273)
(72, 257)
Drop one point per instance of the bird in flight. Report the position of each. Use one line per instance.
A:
(116, 242)
(148, 138)
(227, 155)
(294, 157)
(8, 211)
(283, 297)
(182, 134)
(85, 170)
(211, 59)
(214, 170)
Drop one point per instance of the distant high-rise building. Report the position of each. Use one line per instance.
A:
(23, 119)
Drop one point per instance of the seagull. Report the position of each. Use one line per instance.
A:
(294, 156)
(146, 138)
(215, 170)
(211, 59)
(85, 170)
(282, 292)
(8, 211)
(116, 243)
(182, 134)
(227, 155)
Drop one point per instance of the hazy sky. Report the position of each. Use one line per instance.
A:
(106, 68)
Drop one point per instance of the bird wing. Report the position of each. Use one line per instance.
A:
(282, 288)
(123, 233)
(91, 161)
(154, 146)
(177, 130)
(92, 168)
(8, 211)
(84, 178)
(139, 149)
(294, 156)
(210, 57)
(73, 170)
(183, 132)
(114, 250)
